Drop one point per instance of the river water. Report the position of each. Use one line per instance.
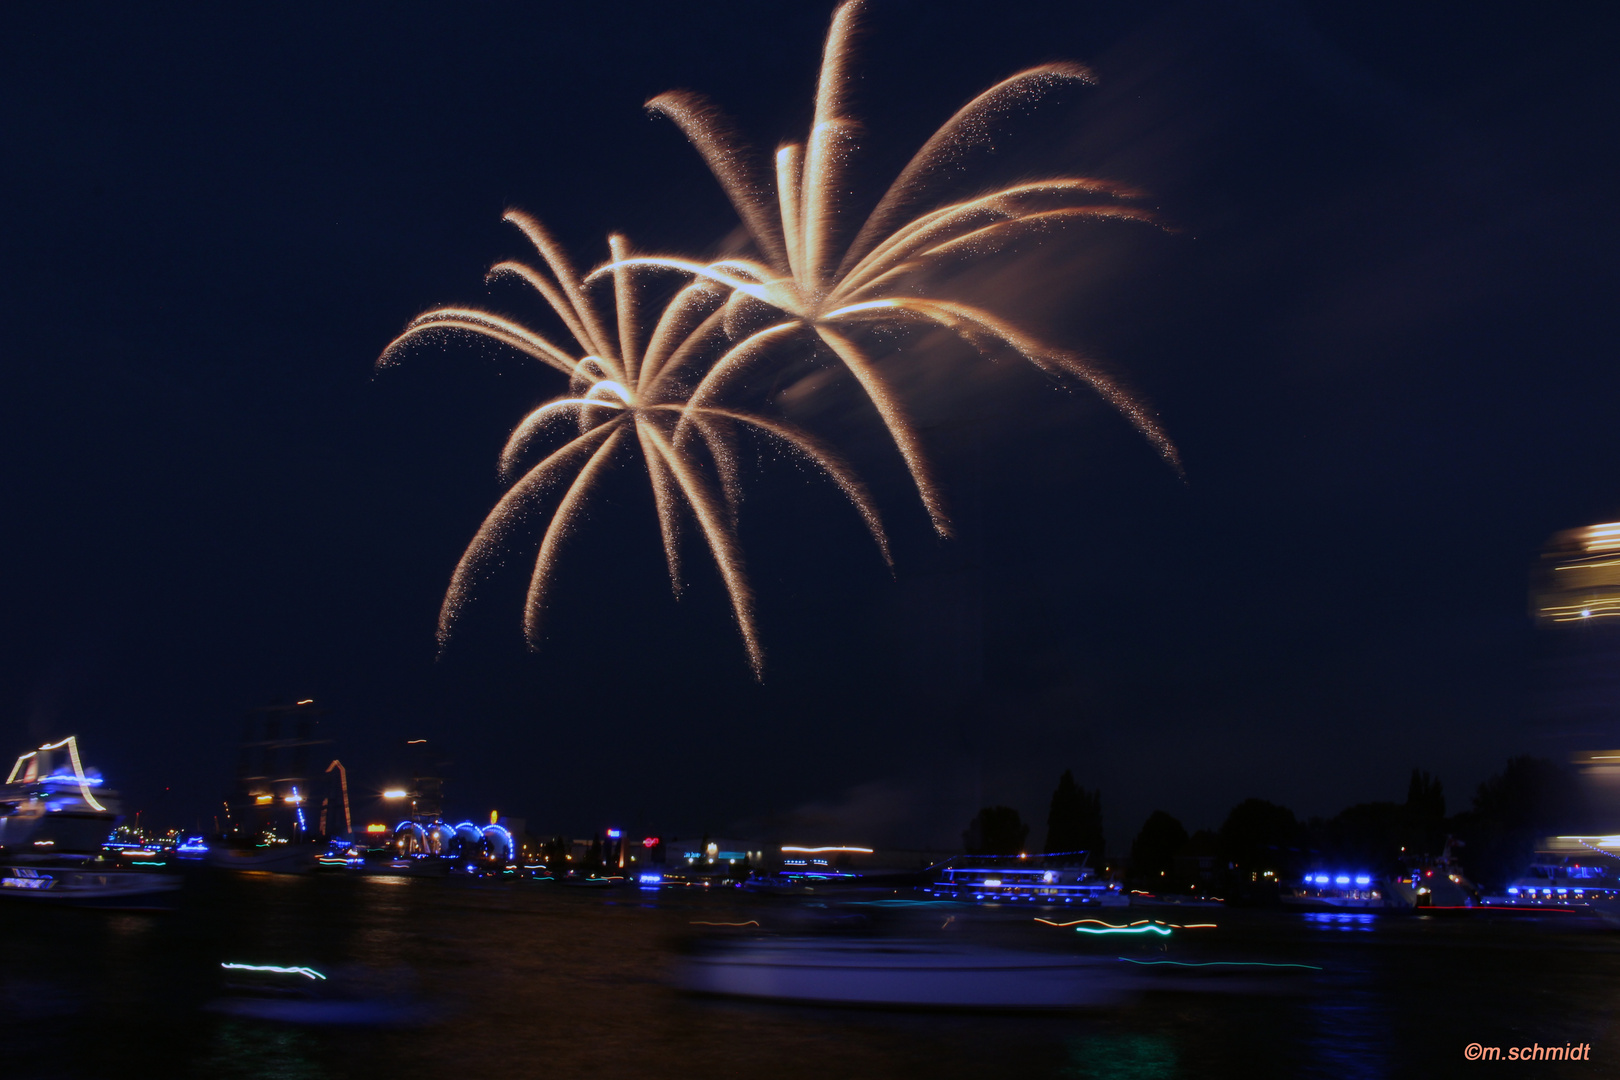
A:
(516, 979)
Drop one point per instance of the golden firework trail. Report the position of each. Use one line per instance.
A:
(810, 272)
(628, 390)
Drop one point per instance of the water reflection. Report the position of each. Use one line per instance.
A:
(1341, 920)
(1120, 1057)
(427, 980)
(246, 1051)
(1353, 1034)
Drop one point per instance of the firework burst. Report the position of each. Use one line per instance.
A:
(630, 389)
(807, 271)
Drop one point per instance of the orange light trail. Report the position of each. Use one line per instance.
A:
(750, 922)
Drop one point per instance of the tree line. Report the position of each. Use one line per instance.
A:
(1261, 843)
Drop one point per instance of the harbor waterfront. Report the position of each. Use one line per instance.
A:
(851, 541)
(493, 978)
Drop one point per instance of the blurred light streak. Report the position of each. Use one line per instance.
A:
(308, 973)
(824, 850)
(1217, 963)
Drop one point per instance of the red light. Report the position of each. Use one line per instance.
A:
(1428, 873)
(651, 841)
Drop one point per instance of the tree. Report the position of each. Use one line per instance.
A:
(1364, 837)
(1074, 822)
(555, 854)
(1424, 795)
(996, 830)
(1529, 798)
(1153, 852)
(1529, 793)
(1426, 829)
(1259, 835)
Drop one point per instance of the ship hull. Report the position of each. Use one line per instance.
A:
(116, 890)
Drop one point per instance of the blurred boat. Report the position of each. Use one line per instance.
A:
(910, 974)
(406, 867)
(51, 804)
(89, 886)
(305, 996)
(265, 856)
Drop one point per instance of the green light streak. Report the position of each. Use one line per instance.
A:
(1218, 963)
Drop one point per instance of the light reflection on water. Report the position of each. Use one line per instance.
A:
(1341, 920)
(1120, 1057)
(519, 980)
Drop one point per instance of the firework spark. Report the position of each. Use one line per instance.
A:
(628, 389)
(793, 213)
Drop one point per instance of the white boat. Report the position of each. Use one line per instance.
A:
(1559, 882)
(89, 885)
(305, 996)
(910, 974)
(51, 804)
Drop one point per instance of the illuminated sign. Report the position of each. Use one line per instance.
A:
(376, 828)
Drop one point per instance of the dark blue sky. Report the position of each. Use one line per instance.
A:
(1381, 334)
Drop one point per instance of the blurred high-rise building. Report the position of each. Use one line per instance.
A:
(1578, 578)
(1575, 601)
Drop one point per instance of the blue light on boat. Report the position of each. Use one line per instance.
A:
(90, 780)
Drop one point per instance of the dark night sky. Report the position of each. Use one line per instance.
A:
(1381, 334)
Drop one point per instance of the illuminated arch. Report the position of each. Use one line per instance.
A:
(499, 845)
(410, 839)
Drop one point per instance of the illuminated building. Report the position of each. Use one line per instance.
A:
(275, 773)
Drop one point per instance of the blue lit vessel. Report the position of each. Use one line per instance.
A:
(51, 804)
(1027, 880)
(1562, 882)
(55, 817)
(1319, 891)
(89, 885)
